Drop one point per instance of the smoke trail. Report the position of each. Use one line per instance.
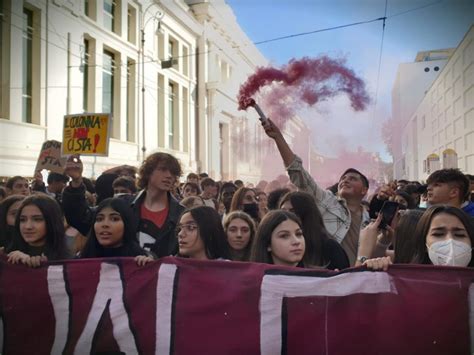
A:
(307, 80)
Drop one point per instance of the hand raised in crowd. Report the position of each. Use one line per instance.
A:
(38, 178)
(74, 168)
(385, 193)
(17, 257)
(142, 260)
(271, 129)
(378, 263)
(368, 238)
(388, 234)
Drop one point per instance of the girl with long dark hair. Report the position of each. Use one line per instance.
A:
(279, 240)
(8, 210)
(114, 233)
(321, 250)
(201, 235)
(39, 232)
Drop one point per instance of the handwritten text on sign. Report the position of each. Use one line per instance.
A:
(50, 157)
(86, 134)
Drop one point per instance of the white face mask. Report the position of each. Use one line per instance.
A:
(423, 204)
(450, 252)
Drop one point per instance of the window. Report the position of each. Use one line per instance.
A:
(173, 53)
(170, 49)
(171, 101)
(132, 24)
(223, 66)
(185, 110)
(108, 73)
(450, 159)
(185, 61)
(130, 120)
(110, 9)
(27, 66)
(90, 7)
(427, 69)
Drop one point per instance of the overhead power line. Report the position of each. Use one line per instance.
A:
(380, 58)
(320, 30)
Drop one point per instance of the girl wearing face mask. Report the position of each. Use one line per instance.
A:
(114, 233)
(444, 236)
(39, 232)
(201, 235)
(279, 240)
(245, 200)
(240, 230)
(8, 209)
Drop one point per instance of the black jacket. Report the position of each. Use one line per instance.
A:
(160, 241)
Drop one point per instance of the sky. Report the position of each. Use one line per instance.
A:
(436, 24)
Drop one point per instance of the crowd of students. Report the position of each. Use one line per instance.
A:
(146, 213)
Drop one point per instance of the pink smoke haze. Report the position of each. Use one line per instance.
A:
(306, 80)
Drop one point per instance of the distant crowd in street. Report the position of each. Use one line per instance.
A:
(147, 212)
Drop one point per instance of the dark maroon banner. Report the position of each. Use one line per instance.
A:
(218, 307)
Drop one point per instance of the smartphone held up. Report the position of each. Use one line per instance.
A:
(389, 210)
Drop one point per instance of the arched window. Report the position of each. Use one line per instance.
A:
(432, 163)
(450, 159)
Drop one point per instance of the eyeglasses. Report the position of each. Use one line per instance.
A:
(188, 228)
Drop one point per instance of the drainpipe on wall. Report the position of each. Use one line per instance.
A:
(46, 57)
(68, 90)
(196, 115)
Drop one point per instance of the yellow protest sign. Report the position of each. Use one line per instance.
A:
(86, 134)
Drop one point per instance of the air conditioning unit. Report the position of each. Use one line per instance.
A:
(165, 64)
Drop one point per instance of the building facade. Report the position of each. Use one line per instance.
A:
(168, 72)
(411, 84)
(439, 132)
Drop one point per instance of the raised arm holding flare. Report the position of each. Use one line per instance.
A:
(343, 214)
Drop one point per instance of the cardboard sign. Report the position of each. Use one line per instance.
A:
(50, 158)
(86, 134)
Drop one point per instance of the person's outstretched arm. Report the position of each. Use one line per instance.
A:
(293, 164)
(76, 210)
(274, 132)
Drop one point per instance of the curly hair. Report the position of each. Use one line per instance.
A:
(151, 163)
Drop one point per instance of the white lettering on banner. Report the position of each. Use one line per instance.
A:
(275, 288)
(164, 307)
(109, 289)
(60, 301)
(471, 315)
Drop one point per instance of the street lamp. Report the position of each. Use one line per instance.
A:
(158, 16)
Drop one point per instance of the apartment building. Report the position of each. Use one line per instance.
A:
(439, 131)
